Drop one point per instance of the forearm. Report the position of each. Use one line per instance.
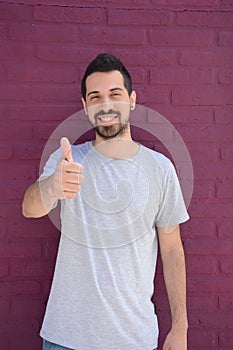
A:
(175, 280)
(38, 199)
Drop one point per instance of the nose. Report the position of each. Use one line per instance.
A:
(106, 104)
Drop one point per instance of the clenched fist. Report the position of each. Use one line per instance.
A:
(66, 180)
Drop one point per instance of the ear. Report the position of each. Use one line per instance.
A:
(84, 105)
(132, 99)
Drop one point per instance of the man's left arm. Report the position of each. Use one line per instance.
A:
(173, 260)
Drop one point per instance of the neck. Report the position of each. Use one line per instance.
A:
(119, 147)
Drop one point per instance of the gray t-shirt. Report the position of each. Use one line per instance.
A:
(103, 281)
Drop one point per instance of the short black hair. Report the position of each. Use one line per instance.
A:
(105, 62)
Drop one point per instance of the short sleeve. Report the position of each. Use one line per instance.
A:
(172, 209)
(51, 165)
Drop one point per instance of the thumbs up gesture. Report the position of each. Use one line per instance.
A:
(68, 176)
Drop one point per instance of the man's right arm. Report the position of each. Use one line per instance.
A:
(39, 199)
(41, 196)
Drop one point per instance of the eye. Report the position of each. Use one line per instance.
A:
(94, 98)
(116, 94)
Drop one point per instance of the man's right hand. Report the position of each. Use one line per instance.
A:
(66, 181)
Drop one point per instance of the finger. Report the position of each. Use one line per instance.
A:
(74, 178)
(72, 167)
(66, 149)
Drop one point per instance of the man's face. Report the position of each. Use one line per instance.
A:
(108, 103)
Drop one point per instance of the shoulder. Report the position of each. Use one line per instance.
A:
(80, 151)
(157, 159)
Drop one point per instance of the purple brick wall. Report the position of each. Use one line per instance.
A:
(180, 55)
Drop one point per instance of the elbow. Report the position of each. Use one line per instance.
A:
(25, 211)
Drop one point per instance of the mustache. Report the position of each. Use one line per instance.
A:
(111, 111)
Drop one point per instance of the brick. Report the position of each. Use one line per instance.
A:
(20, 92)
(15, 12)
(225, 38)
(22, 342)
(206, 19)
(3, 227)
(226, 265)
(202, 96)
(214, 247)
(22, 307)
(4, 269)
(32, 268)
(215, 171)
(226, 302)
(203, 189)
(181, 75)
(10, 50)
(208, 338)
(56, 93)
(186, 114)
(5, 151)
(223, 321)
(225, 229)
(4, 341)
(19, 288)
(204, 303)
(225, 190)
(199, 228)
(13, 189)
(15, 131)
(226, 338)
(139, 17)
(2, 72)
(201, 265)
(39, 111)
(20, 250)
(207, 58)
(3, 31)
(4, 307)
(139, 57)
(224, 115)
(50, 247)
(42, 73)
(65, 53)
(225, 77)
(69, 14)
(28, 151)
(41, 32)
(19, 327)
(43, 131)
(138, 76)
(210, 209)
(209, 152)
(151, 57)
(188, 4)
(181, 38)
(206, 134)
(94, 34)
(18, 171)
(202, 285)
(156, 95)
(107, 3)
(227, 153)
(32, 229)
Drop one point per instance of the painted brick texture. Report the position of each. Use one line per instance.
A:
(180, 55)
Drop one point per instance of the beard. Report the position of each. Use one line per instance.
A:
(108, 132)
(111, 131)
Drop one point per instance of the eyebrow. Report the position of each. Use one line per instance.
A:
(97, 92)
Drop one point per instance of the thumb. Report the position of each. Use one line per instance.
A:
(66, 149)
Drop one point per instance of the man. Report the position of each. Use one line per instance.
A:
(103, 282)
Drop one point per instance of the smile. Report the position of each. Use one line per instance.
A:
(106, 119)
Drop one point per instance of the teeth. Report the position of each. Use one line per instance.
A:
(106, 119)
